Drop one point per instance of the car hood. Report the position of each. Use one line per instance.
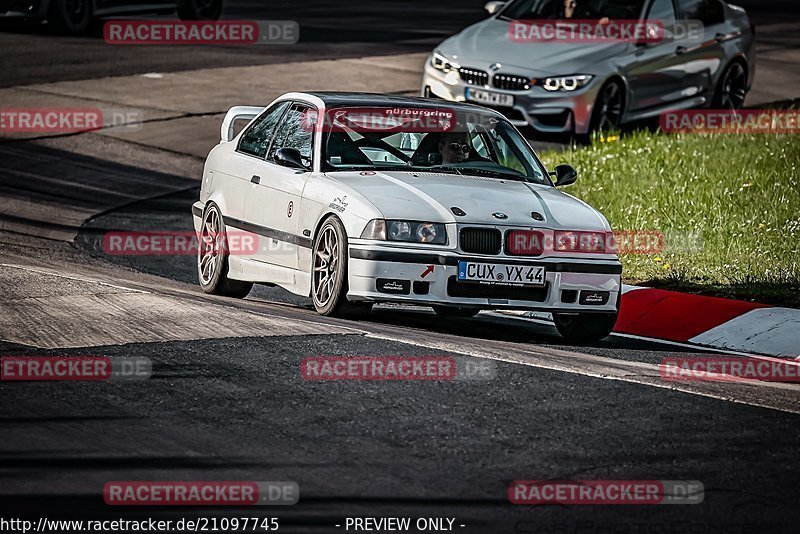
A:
(429, 196)
(487, 42)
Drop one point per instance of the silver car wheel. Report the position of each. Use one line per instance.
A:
(210, 247)
(326, 258)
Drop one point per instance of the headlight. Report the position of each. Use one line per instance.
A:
(406, 231)
(566, 83)
(428, 232)
(399, 231)
(439, 62)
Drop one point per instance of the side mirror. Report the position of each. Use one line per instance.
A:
(653, 36)
(493, 7)
(565, 175)
(290, 157)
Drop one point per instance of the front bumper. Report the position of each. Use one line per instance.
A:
(544, 111)
(423, 277)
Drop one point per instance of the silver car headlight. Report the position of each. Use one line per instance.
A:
(442, 63)
(566, 83)
(406, 231)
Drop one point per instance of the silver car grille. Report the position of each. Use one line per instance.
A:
(511, 82)
(474, 76)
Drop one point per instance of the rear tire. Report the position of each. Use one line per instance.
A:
(200, 9)
(451, 311)
(212, 258)
(584, 326)
(71, 17)
(329, 273)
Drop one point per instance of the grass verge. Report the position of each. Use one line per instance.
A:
(728, 205)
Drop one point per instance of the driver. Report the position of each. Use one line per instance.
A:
(454, 147)
(572, 9)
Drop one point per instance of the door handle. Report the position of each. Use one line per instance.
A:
(719, 37)
(681, 50)
(256, 179)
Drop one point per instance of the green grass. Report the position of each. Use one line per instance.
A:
(740, 193)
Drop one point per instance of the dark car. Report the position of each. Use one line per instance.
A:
(74, 16)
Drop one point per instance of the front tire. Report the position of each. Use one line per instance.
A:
(608, 109)
(212, 258)
(329, 272)
(70, 16)
(582, 327)
(200, 9)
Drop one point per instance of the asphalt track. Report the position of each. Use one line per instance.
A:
(227, 400)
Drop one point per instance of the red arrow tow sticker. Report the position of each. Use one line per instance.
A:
(427, 271)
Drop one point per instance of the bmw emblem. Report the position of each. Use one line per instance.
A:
(499, 215)
(494, 67)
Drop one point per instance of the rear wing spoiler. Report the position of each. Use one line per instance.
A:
(234, 114)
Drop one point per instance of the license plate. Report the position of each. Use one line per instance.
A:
(493, 273)
(488, 97)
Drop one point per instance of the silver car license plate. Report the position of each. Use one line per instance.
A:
(495, 273)
(489, 97)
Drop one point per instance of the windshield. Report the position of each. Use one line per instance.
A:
(573, 9)
(427, 139)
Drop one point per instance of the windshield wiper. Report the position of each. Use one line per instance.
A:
(497, 174)
(376, 168)
(446, 168)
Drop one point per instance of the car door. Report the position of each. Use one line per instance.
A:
(273, 203)
(655, 73)
(703, 57)
(234, 176)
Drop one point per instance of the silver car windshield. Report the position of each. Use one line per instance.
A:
(573, 9)
(427, 139)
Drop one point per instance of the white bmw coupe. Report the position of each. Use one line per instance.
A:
(354, 199)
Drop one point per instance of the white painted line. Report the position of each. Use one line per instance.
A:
(773, 331)
(676, 344)
(626, 288)
(77, 278)
(604, 368)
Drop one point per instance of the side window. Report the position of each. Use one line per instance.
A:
(662, 10)
(478, 145)
(295, 132)
(706, 11)
(256, 139)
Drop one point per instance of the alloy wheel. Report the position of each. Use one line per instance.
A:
(211, 246)
(609, 108)
(734, 87)
(326, 264)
